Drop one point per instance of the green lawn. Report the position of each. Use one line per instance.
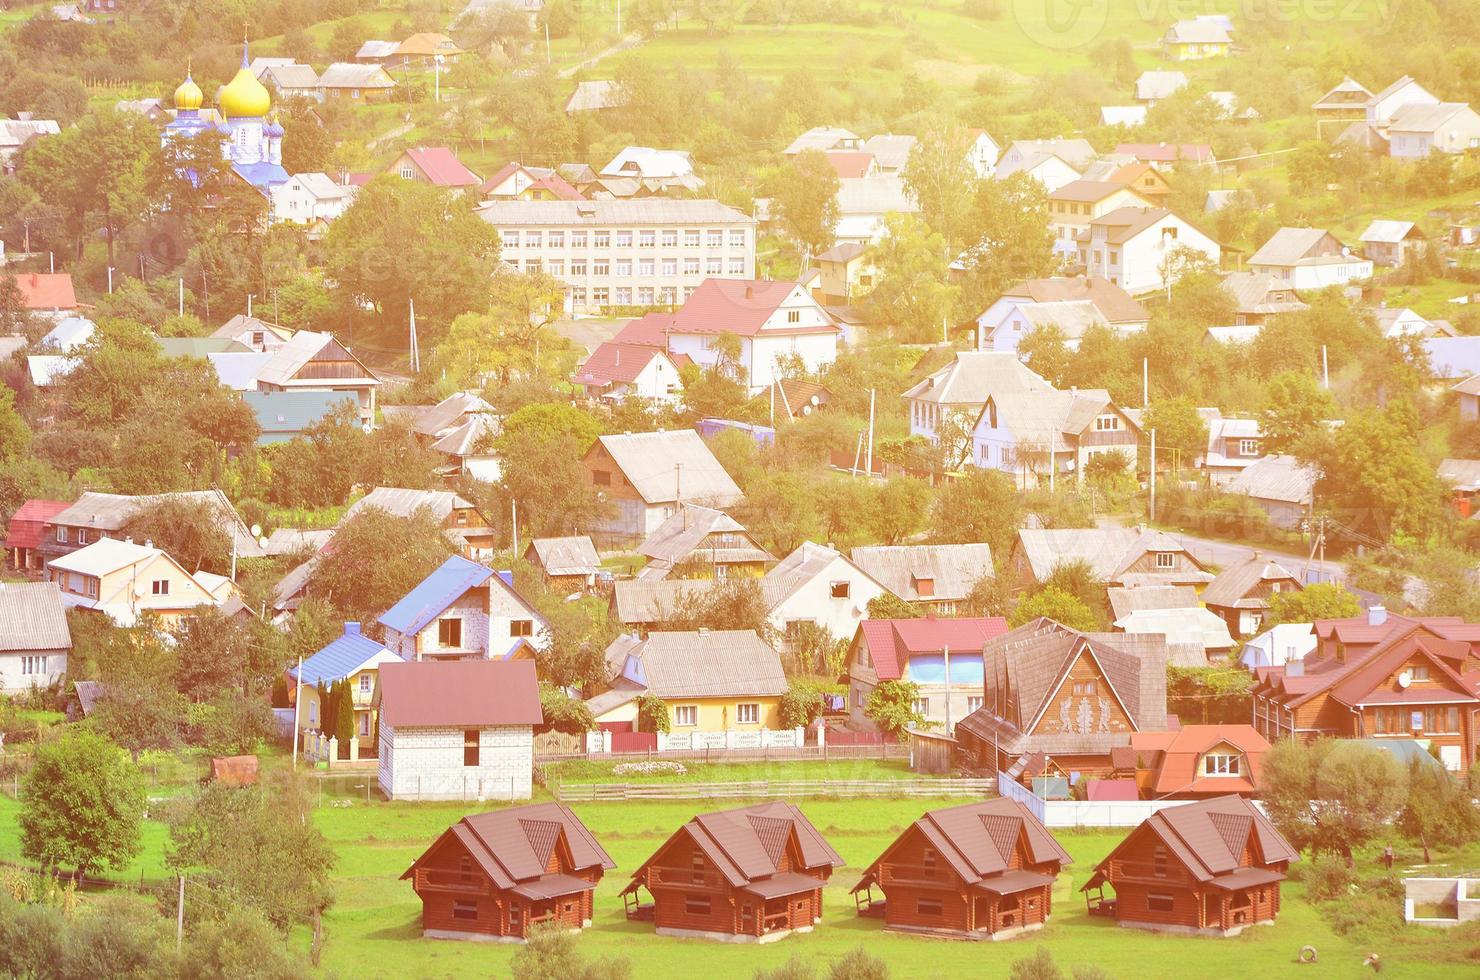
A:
(580, 771)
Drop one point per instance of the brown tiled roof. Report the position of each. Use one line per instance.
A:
(740, 843)
(514, 845)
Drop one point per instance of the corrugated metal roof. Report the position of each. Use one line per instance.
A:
(431, 597)
(32, 617)
(891, 642)
(1280, 477)
(404, 502)
(284, 414)
(670, 465)
(346, 654)
(705, 663)
(1153, 85)
(574, 555)
(459, 694)
(1232, 586)
(976, 375)
(649, 601)
(951, 569)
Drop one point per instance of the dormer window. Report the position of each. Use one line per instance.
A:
(1107, 423)
(1221, 764)
(1166, 559)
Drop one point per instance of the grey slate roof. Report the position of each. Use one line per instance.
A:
(706, 663)
(1288, 246)
(112, 511)
(1125, 601)
(574, 555)
(643, 601)
(676, 538)
(953, 568)
(974, 376)
(647, 210)
(32, 617)
(403, 503)
(1281, 478)
(1232, 586)
(670, 465)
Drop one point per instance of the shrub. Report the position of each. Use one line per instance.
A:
(1327, 877)
(800, 705)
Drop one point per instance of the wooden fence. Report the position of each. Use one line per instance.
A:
(774, 753)
(772, 788)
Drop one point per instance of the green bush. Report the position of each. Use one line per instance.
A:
(1326, 878)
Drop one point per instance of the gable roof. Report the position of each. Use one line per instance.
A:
(671, 464)
(46, 290)
(1125, 601)
(113, 511)
(677, 538)
(303, 347)
(574, 555)
(648, 330)
(952, 568)
(1159, 84)
(1125, 223)
(647, 161)
(442, 167)
(32, 617)
(1250, 292)
(1279, 477)
(973, 376)
(594, 95)
(804, 564)
(705, 663)
(891, 150)
(448, 413)
(613, 363)
(1462, 474)
(345, 655)
(105, 556)
(1087, 191)
(343, 74)
(25, 529)
(459, 694)
(1346, 94)
(1114, 303)
(740, 306)
(891, 642)
(1233, 584)
(649, 600)
(1391, 232)
(977, 841)
(746, 844)
(513, 844)
(1419, 118)
(440, 589)
(820, 138)
(70, 333)
(1173, 756)
(241, 323)
(1287, 246)
(284, 414)
(1198, 30)
(404, 503)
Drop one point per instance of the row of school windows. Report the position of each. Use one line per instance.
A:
(667, 238)
(625, 268)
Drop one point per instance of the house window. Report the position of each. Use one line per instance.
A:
(515, 916)
(470, 747)
(365, 683)
(160, 586)
(364, 719)
(646, 239)
(601, 267)
(623, 268)
(928, 906)
(577, 267)
(686, 715)
(557, 239)
(748, 714)
(670, 238)
(973, 704)
(691, 266)
(793, 316)
(840, 590)
(1107, 423)
(578, 239)
(33, 665)
(91, 584)
(691, 237)
(449, 633)
(1087, 688)
(737, 237)
(1166, 559)
(922, 706)
(82, 535)
(737, 267)
(1419, 673)
(601, 239)
(464, 909)
(714, 266)
(1248, 447)
(521, 627)
(714, 238)
(1156, 902)
(61, 534)
(927, 858)
(1220, 765)
(696, 904)
(407, 173)
(624, 239)
(533, 239)
(601, 478)
(1159, 862)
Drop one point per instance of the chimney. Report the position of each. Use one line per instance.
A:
(1295, 664)
(351, 629)
(704, 631)
(750, 292)
(1376, 616)
(128, 540)
(148, 542)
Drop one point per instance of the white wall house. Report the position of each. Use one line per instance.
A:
(983, 153)
(1308, 258)
(773, 322)
(312, 199)
(35, 640)
(461, 730)
(1415, 131)
(1385, 104)
(1131, 247)
(818, 585)
(464, 610)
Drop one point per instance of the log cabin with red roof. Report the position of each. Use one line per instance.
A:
(494, 876)
(748, 875)
(1209, 868)
(1380, 676)
(978, 871)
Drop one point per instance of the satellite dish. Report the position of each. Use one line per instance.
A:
(806, 409)
(816, 400)
(1405, 678)
(256, 530)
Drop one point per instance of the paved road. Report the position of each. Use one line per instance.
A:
(1224, 553)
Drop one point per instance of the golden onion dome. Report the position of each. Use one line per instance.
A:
(244, 95)
(189, 95)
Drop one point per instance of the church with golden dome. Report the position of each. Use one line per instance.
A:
(251, 141)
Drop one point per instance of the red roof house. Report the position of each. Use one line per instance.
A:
(649, 330)
(942, 656)
(771, 320)
(852, 164)
(435, 165)
(457, 729)
(1379, 676)
(1212, 867)
(47, 291)
(978, 871)
(616, 370)
(499, 873)
(1199, 761)
(24, 532)
(750, 874)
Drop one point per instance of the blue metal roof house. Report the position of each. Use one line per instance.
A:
(464, 610)
(349, 656)
(284, 414)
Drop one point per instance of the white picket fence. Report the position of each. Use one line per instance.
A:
(1083, 813)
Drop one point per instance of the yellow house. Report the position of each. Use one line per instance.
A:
(1201, 37)
(349, 656)
(713, 681)
(1072, 207)
(846, 273)
(127, 580)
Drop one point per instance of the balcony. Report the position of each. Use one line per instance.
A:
(1166, 873)
(450, 881)
(914, 874)
(684, 877)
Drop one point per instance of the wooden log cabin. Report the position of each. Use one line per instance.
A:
(753, 874)
(1212, 868)
(979, 871)
(492, 876)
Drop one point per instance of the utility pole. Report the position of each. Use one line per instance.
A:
(1153, 476)
(414, 351)
(1145, 382)
(514, 524)
(297, 706)
(182, 295)
(180, 916)
(869, 459)
(110, 280)
(1325, 370)
(947, 652)
(249, 303)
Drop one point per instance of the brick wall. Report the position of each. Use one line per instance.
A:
(427, 763)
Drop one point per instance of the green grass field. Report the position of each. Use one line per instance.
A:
(581, 771)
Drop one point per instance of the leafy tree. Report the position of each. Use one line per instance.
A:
(344, 717)
(801, 705)
(241, 945)
(795, 968)
(119, 937)
(1309, 167)
(1323, 600)
(652, 714)
(913, 297)
(1437, 810)
(1294, 406)
(1057, 605)
(1216, 695)
(217, 652)
(1077, 578)
(1372, 474)
(404, 239)
(891, 706)
(15, 435)
(255, 848)
(887, 605)
(939, 176)
(318, 468)
(564, 713)
(15, 317)
(989, 596)
(1011, 239)
(1046, 351)
(82, 805)
(190, 530)
(898, 509)
(550, 952)
(1180, 430)
(354, 576)
(1332, 796)
(541, 447)
(804, 200)
(1039, 966)
(981, 506)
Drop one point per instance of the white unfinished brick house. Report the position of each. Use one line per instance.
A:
(457, 730)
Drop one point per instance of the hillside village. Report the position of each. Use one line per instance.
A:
(570, 489)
